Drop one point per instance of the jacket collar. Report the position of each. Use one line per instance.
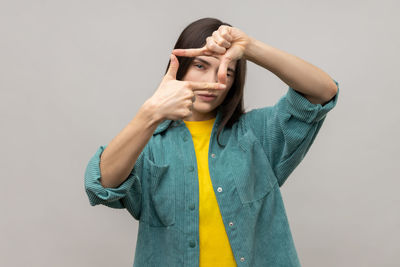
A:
(164, 124)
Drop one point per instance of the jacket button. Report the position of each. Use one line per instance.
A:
(230, 223)
(213, 155)
(191, 206)
(219, 189)
(242, 259)
(192, 244)
(191, 168)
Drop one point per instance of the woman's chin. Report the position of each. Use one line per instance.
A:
(203, 109)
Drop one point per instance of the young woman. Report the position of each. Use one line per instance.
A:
(202, 176)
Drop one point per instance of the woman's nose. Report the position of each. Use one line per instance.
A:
(215, 76)
(211, 76)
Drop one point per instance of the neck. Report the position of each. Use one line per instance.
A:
(201, 116)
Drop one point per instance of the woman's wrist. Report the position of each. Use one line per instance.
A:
(149, 111)
(251, 47)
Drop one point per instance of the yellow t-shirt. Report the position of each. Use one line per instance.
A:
(215, 249)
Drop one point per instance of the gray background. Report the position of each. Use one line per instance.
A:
(74, 73)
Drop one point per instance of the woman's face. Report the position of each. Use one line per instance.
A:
(205, 69)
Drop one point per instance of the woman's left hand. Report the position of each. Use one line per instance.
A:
(230, 42)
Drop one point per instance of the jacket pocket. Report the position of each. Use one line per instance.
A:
(251, 169)
(161, 196)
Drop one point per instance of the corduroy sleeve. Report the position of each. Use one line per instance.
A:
(127, 195)
(288, 129)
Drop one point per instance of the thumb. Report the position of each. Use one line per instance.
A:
(173, 67)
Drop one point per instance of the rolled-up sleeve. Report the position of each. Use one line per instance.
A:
(301, 108)
(127, 195)
(288, 129)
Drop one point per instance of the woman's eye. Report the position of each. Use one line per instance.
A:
(201, 66)
(198, 65)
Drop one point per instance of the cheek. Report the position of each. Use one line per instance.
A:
(223, 96)
(230, 82)
(190, 75)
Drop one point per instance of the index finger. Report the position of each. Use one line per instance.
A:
(190, 52)
(205, 85)
(223, 70)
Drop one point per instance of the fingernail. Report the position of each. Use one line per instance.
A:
(222, 86)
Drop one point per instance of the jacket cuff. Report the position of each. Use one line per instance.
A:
(94, 188)
(301, 108)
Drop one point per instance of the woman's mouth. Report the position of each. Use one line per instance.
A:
(207, 98)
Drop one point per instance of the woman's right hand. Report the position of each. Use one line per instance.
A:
(173, 99)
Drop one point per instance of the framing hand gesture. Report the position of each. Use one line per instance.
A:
(227, 41)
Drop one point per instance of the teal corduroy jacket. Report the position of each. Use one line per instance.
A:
(261, 150)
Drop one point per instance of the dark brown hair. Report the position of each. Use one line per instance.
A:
(194, 36)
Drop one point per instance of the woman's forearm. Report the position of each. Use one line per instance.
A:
(120, 155)
(316, 85)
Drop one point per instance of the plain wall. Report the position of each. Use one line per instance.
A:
(74, 73)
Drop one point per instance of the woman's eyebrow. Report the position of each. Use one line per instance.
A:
(209, 64)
